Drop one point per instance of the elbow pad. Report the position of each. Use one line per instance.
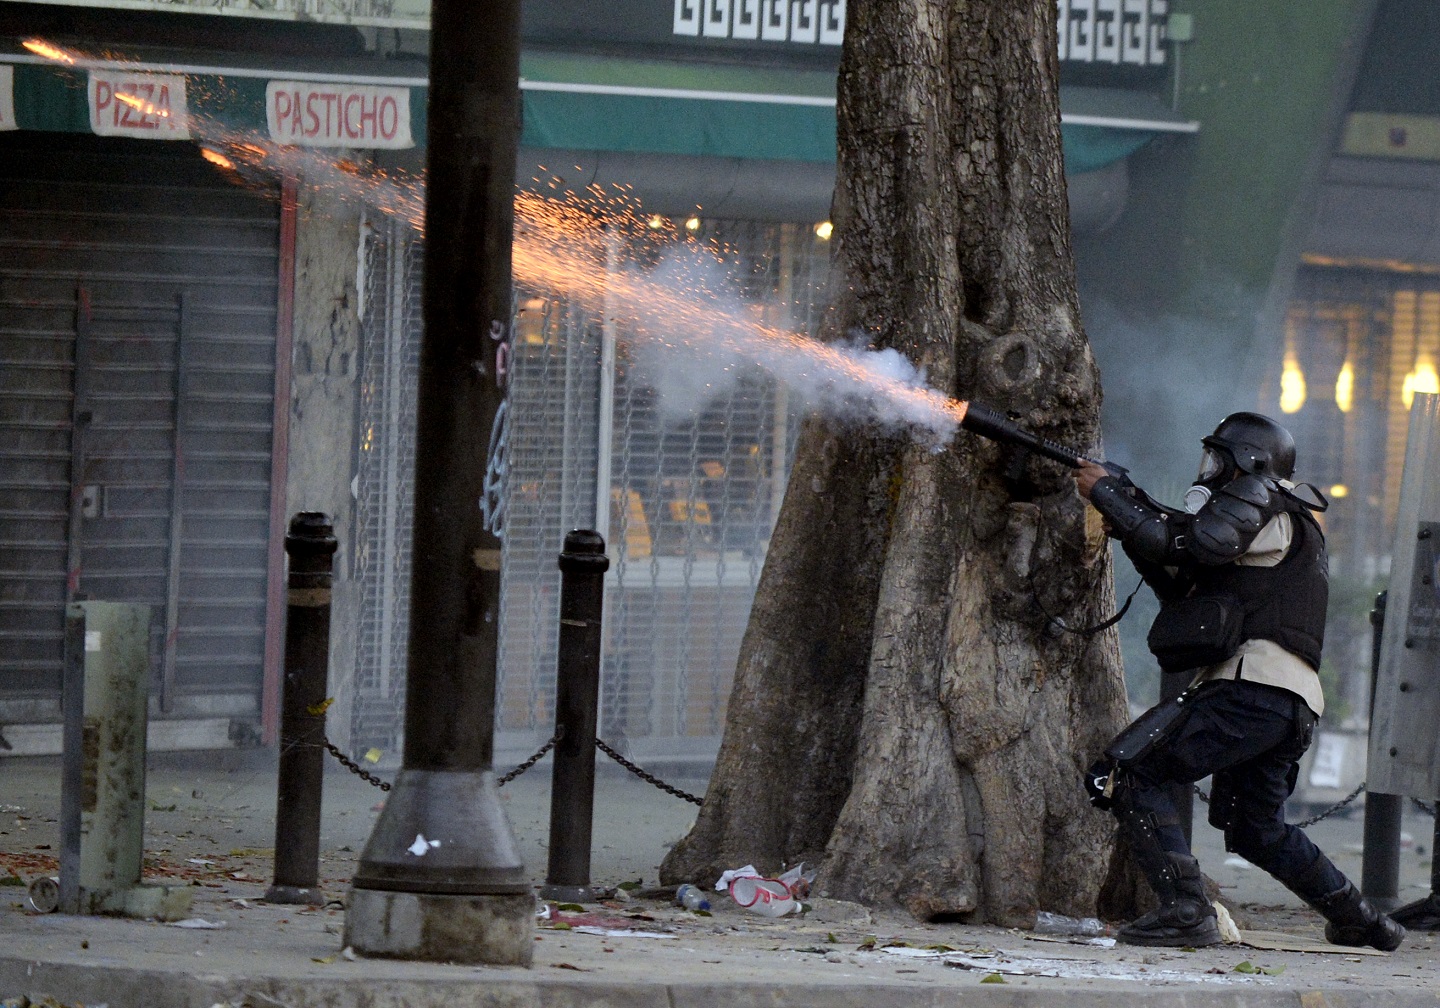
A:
(1144, 530)
(1229, 522)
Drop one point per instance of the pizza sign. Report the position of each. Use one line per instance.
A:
(148, 105)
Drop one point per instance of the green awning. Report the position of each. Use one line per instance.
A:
(639, 107)
(1088, 148)
(623, 106)
(632, 106)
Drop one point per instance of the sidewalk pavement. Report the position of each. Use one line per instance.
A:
(213, 824)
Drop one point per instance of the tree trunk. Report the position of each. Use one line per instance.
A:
(906, 712)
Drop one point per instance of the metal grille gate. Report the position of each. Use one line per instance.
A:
(686, 507)
(385, 482)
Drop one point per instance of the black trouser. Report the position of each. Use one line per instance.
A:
(1250, 737)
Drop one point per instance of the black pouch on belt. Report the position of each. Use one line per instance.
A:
(1197, 631)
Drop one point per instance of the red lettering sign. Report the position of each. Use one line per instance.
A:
(338, 115)
(138, 104)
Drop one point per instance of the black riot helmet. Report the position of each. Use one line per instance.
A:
(1247, 442)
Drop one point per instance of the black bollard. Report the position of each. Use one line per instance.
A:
(577, 697)
(310, 545)
(1380, 861)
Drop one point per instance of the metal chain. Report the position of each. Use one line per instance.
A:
(1313, 819)
(650, 778)
(1334, 808)
(357, 769)
(529, 762)
(354, 767)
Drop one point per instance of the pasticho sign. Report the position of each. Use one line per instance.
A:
(308, 114)
(149, 105)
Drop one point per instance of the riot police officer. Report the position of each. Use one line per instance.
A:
(1242, 577)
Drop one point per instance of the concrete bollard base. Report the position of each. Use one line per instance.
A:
(299, 895)
(143, 902)
(498, 930)
(574, 893)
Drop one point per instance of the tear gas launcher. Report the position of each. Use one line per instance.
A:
(991, 423)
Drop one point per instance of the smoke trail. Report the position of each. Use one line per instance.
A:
(696, 339)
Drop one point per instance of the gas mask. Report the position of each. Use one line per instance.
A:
(1216, 469)
(1196, 498)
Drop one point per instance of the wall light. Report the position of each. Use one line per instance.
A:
(1345, 388)
(824, 230)
(692, 224)
(1422, 379)
(656, 222)
(1339, 490)
(1292, 385)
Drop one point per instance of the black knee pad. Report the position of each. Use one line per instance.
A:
(1124, 806)
(1254, 843)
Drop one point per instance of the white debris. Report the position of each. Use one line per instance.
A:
(1228, 931)
(421, 846)
(1013, 964)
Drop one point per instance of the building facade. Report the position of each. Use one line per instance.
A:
(195, 352)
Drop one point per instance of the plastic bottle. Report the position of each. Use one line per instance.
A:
(1080, 927)
(691, 898)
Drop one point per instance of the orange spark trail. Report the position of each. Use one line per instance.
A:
(51, 52)
(142, 106)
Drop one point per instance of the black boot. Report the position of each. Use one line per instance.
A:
(1185, 917)
(1351, 919)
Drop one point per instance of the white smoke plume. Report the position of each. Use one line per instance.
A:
(695, 340)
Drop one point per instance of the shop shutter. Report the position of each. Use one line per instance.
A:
(137, 366)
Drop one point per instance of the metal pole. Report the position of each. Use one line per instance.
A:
(72, 761)
(577, 697)
(1380, 861)
(311, 546)
(441, 879)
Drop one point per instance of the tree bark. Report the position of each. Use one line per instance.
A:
(906, 712)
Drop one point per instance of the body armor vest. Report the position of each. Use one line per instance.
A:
(1284, 603)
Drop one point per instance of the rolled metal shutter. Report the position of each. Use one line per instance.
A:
(138, 295)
